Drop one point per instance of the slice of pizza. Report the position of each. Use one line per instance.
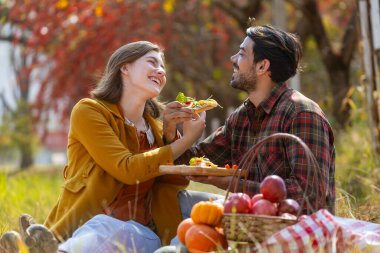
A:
(202, 161)
(197, 105)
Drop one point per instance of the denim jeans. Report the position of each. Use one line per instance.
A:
(104, 233)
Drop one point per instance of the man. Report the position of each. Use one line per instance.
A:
(266, 59)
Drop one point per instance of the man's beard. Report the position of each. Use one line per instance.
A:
(245, 82)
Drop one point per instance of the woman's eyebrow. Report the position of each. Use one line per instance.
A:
(156, 61)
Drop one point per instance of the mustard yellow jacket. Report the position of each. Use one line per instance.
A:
(102, 156)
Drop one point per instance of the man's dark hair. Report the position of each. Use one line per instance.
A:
(281, 48)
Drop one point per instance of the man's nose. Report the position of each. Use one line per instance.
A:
(233, 57)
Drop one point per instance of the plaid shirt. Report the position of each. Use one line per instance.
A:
(284, 111)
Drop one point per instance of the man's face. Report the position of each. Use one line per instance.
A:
(244, 76)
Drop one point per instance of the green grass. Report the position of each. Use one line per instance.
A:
(32, 192)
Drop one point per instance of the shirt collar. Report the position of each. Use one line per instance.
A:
(268, 103)
(156, 128)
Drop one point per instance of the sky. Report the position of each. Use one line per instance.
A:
(6, 76)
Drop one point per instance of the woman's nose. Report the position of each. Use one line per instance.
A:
(161, 72)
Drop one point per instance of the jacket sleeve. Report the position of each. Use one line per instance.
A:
(90, 126)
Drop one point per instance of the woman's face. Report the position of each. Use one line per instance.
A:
(145, 76)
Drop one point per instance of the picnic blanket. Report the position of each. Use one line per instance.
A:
(324, 232)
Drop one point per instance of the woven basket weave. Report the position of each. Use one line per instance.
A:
(256, 228)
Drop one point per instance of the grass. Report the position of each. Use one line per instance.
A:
(32, 192)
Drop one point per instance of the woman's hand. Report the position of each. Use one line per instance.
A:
(173, 114)
(193, 129)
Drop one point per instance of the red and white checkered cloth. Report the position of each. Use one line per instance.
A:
(323, 232)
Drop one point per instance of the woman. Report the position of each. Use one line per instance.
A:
(113, 196)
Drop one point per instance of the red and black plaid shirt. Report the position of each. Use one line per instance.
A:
(284, 111)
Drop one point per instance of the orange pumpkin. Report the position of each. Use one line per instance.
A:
(203, 238)
(207, 212)
(182, 229)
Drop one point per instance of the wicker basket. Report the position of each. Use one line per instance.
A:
(256, 228)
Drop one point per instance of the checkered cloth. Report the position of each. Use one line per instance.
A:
(323, 232)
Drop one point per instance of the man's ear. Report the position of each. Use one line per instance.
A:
(124, 69)
(262, 66)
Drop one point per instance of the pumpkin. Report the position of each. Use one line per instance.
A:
(207, 212)
(182, 229)
(203, 238)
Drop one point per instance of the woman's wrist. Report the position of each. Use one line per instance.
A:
(180, 146)
(169, 138)
(170, 134)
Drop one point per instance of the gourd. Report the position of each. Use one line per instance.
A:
(182, 229)
(207, 212)
(203, 238)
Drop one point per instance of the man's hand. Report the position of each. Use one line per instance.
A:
(220, 182)
(173, 114)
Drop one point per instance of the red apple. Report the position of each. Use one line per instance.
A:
(264, 207)
(273, 188)
(239, 201)
(288, 206)
(256, 198)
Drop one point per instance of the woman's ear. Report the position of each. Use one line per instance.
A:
(124, 69)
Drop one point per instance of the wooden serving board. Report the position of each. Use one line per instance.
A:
(195, 170)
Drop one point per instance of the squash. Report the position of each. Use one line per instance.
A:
(182, 229)
(207, 212)
(203, 238)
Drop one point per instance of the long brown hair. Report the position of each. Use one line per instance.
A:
(110, 86)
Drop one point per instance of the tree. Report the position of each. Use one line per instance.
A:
(337, 61)
(18, 117)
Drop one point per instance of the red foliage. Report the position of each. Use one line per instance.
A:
(76, 39)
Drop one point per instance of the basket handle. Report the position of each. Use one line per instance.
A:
(252, 153)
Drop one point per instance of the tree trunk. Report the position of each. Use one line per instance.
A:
(339, 80)
(24, 134)
(26, 151)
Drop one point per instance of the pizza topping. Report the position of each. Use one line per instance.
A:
(193, 103)
(202, 161)
(234, 167)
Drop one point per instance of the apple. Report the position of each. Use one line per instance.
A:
(264, 207)
(288, 206)
(256, 198)
(237, 203)
(273, 188)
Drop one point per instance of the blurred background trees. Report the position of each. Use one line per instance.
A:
(60, 48)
